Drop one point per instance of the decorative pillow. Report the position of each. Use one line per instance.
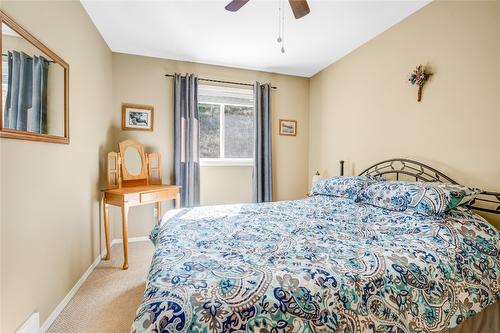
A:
(343, 186)
(426, 198)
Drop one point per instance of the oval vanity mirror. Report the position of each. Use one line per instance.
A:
(132, 161)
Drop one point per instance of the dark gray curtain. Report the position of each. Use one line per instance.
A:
(26, 100)
(262, 175)
(186, 139)
(19, 91)
(38, 121)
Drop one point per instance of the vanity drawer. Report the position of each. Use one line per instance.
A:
(157, 196)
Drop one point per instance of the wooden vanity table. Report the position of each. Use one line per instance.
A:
(134, 179)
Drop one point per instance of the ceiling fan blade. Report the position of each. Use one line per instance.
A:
(235, 5)
(300, 8)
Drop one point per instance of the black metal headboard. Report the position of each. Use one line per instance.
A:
(414, 169)
(485, 202)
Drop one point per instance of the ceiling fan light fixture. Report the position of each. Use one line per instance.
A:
(300, 8)
(235, 5)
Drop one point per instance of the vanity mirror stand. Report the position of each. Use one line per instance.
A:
(134, 179)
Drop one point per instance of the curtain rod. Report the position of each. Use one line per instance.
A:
(6, 55)
(227, 82)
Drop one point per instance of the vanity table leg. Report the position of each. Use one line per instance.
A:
(158, 210)
(106, 229)
(125, 235)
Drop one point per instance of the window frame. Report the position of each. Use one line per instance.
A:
(223, 161)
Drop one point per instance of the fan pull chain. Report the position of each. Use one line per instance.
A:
(282, 27)
(281, 23)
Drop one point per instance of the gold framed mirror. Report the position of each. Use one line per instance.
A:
(35, 87)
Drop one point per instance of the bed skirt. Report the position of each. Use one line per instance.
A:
(486, 321)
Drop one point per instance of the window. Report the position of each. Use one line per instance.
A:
(5, 79)
(226, 117)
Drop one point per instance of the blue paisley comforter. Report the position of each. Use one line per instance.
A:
(321, 264)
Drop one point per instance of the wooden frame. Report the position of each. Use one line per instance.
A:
(26, 135)
(143, 108)
(154, 168)
(282, 124)
(113, 167)
(126, 177)
(118, 175)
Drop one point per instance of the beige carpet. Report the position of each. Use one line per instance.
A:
(107, 301)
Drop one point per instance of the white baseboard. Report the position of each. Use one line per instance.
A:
(130, 240)
(31, 325)
(57, 311)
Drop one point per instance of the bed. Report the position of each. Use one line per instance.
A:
(320, 264)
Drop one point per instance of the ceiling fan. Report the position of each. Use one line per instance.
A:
(300, 8)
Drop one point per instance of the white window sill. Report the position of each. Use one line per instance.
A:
(226, 162)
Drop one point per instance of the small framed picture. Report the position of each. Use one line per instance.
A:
(137, 117)
(288, 127)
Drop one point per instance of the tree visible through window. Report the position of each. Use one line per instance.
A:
(226, 119)
(238, 131)
(209, 118)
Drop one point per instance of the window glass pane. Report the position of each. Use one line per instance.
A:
(209, 119)
(238, 131)
(5, 79)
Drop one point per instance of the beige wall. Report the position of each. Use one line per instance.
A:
(141, 80)
(225, 185)
(363, 110)
(49, 199)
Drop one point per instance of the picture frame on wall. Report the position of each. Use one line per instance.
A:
(288, 127)
(137, 117)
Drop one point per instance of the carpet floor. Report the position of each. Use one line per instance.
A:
(108, 299)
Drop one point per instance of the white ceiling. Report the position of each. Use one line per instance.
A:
(203, 31)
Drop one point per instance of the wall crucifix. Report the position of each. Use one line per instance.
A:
(419, 77)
